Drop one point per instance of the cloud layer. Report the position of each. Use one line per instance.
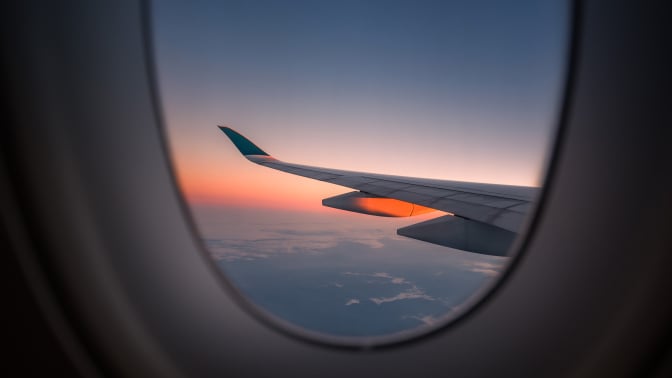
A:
(347, 279)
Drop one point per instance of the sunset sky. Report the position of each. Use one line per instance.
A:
(461, 91)
(435, 89)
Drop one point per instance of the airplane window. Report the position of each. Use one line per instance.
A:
(360, 170)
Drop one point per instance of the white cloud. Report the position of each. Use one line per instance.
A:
(271, 241)
(427, 320)
(412, 293)
(381, 275)
(488, 268)
(384, 275)
(372, 243)
(487, 272)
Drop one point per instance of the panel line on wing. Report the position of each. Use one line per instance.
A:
(456, 193)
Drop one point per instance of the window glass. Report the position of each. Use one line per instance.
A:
(443, 91)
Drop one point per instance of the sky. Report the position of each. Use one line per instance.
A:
(464, 91)
(455, 90)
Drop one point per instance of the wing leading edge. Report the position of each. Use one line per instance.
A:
(484, 218)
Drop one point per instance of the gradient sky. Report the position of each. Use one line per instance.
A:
(456, 90)
(451, 90)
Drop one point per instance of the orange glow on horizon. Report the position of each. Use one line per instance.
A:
(252, 186)
(250, 201)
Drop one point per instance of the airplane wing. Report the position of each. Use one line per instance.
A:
(483, 218)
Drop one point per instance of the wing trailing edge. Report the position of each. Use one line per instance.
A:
(463, 234)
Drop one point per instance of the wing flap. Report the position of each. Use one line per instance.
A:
(463, 234)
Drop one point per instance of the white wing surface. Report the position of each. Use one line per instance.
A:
(477, 211)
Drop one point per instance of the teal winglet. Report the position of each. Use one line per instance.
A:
(243, 144)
